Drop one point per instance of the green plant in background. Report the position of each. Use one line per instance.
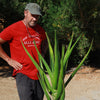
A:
(55, 87)
(64, 16)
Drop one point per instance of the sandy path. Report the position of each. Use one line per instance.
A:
(84, 86)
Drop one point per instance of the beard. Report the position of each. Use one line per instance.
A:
(32, 24)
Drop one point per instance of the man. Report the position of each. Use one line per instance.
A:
(25, 72)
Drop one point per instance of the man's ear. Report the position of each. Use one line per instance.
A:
(25, 12)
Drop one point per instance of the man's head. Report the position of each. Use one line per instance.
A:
(32, 13)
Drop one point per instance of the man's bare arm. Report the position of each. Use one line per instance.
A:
(16, 65)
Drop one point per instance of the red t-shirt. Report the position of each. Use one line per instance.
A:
(14, 34)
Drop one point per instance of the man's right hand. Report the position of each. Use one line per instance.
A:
(16, 65)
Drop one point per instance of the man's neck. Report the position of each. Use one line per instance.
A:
(24, 21)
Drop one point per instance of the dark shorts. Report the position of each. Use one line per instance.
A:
(28, 89)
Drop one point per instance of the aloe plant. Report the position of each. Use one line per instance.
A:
(55, 87)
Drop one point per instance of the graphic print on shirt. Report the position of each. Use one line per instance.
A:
(29, 41)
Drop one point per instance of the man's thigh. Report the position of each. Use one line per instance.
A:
(24, 87)
(28, 89)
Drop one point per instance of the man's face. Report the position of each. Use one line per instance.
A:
(30, 19)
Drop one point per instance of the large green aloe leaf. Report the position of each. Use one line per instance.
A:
(51, 54)
(41, 79)
(44, 62)
(69, 50)
(45, 80)
(34, 62)
(74, 72)
(42, 74)
(63, 94)
(56, 63)
(60, 87)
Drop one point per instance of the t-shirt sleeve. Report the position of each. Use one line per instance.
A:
(6, 34)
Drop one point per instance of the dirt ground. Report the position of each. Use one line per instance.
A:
(84, 86)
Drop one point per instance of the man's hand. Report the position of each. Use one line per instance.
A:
(16, 65)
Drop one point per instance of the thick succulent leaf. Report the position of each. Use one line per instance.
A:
(41, 78)
(50, 90)
(51, 53)
(49, 87)
(72, 75)
(61, 80)
(69, 51)
(70, 43)
(60, 88)
(34, 62)
(63, 94)
(64, 67)
(44, 87)
(57, 64)
(44, 62)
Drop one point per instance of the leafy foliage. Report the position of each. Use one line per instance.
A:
(64, 16)
(67, 16)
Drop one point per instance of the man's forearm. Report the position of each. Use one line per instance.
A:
(3, 54)
(16, 65)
